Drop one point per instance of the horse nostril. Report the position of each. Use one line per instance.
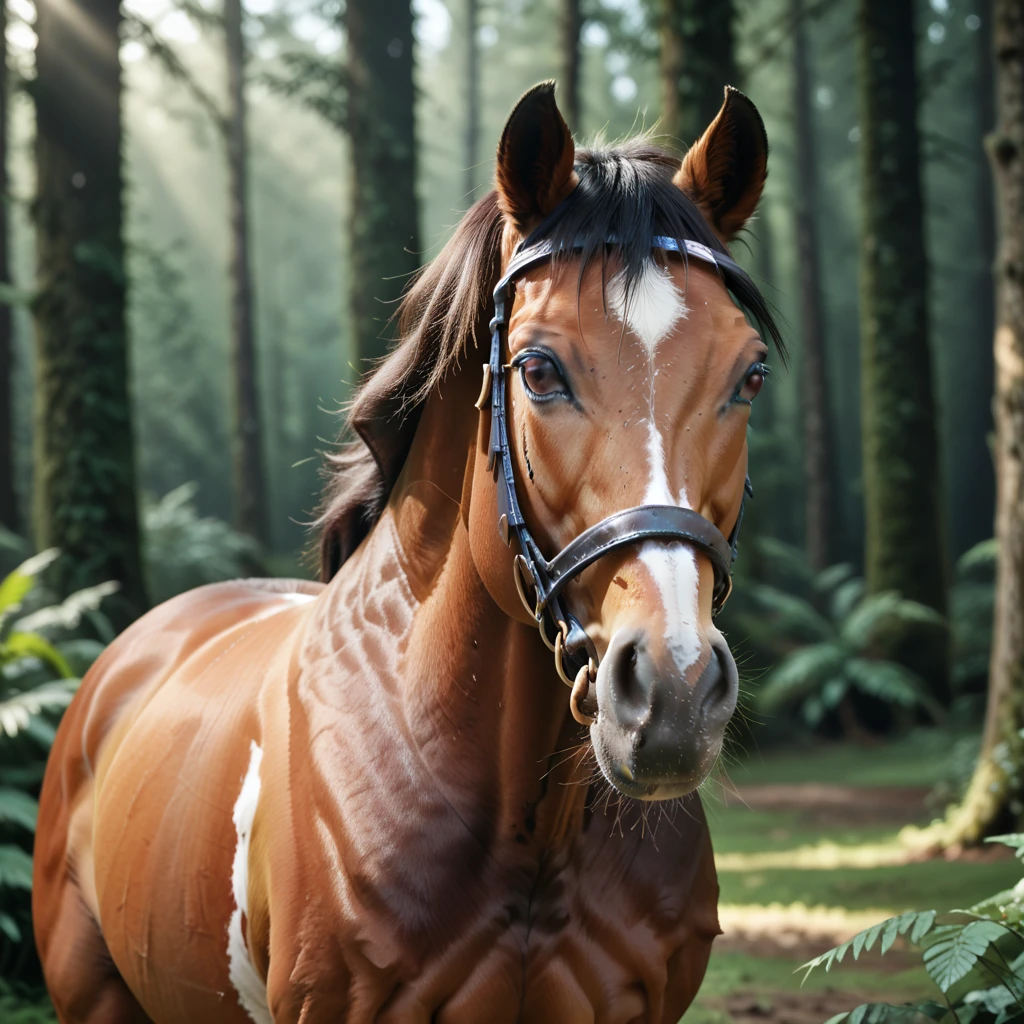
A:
(627, 678)
(716, 685)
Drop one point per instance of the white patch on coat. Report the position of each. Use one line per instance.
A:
(653, 308)
(672, 564)
(251, 989)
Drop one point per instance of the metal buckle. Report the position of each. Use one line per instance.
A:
(725, 597)
(485, 389)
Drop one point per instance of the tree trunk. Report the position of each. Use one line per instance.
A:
(8, 496)
(471, 90)
(697, 63)
(819, 453)
(570, 22)
(249, 484)
(905, 535)
(974, 492)
(383, 210)
(997, 789)
(85, 498)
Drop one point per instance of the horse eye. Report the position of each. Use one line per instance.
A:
(541, 376)
(754, 382)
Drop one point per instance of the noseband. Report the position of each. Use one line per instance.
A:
(540, 582)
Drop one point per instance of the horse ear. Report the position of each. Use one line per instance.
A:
(535, 159)
(725, 170)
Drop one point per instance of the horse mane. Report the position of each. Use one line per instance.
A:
(625, 192)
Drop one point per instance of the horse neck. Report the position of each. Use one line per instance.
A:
(476, 690)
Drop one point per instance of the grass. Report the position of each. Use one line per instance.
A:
(919, 759)
(742, 835)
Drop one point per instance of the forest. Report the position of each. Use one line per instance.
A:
(211, 209)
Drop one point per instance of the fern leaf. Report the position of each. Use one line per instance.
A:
(801, 673)
(922, 925)
(890, 933)
(69, 612)
(17, 711)
(950, 959)
(32, 645)
(867, 624)
(846, 598)
(788, 617)
(18, 808)
(894, 684)
(15, 868)
(834, 576)
(980, 557)
(10, 927)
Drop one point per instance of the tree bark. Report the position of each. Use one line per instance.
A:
(249, 482)
(569, 23)
(8, 495)
(819, 452)
(905, 535)
(471, 91)
(973, 505)
(85, 494)
(997, 788)
(697, 63)
(383, 210)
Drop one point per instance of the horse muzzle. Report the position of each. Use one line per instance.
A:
(659, 731)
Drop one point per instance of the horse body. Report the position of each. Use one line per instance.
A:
(445, 884)
(370, 800)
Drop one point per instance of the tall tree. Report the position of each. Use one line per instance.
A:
(471, 91)
(570, 20)
(85, 499)
(974, 504)
(905, 533)
(997, 788)
(383, 212)
(249, 483)
(8, 497)
(819, 454)
(697, 62)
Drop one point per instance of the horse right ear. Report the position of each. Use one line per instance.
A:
(725, 169)
(535, 159)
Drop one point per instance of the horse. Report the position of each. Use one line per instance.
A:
(369, 798)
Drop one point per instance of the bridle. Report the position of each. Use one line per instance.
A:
(540, 582)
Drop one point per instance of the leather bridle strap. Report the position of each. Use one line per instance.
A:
(573, 648)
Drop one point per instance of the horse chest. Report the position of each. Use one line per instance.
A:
(542, 937)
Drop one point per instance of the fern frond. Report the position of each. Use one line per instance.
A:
(801, 673)
(18, 710)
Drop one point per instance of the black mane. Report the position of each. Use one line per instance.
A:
(625, 192)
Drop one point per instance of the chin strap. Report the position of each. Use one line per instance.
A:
(540, 583)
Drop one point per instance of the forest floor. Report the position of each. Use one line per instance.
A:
(807, 851)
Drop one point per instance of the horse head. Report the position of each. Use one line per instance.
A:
(628, 372)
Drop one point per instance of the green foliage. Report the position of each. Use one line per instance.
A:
(185, 550)
(40, 660)
(971, 608)
(975, 957)
(824, 658)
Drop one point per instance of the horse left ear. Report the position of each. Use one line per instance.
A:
(725, 170)
(534, 171)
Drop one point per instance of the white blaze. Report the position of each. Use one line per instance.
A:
(653, 308)
(672, 564)
(651, 312)
(252, 992)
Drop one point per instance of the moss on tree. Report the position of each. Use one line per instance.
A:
(85, 496)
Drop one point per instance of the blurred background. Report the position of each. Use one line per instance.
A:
(210, 209)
